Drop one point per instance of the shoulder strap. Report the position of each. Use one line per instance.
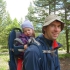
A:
(35, 42)
(41, 54)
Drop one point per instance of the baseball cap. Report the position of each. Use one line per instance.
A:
(49, 19)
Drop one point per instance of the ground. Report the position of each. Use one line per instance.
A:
(65, 64)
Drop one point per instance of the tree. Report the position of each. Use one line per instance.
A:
(67, 11)
(31, 15)
(36, 16)
(44, 7)
(2, 10)
(2, 18)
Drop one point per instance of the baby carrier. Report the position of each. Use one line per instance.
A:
(13, 49)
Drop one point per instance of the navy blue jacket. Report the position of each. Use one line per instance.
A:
(33, 58)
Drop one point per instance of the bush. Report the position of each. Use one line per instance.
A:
(67, 55)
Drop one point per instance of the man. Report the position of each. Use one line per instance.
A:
(47, 57)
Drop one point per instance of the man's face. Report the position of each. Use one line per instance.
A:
(52, 31)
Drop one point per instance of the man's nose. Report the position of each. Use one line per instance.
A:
(57, 29)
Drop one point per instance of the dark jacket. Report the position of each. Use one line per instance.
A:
(33, 58)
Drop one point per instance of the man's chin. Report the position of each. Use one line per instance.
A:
(54, 38)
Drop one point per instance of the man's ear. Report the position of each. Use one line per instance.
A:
(44, 28)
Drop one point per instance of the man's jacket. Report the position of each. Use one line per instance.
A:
(48, 61)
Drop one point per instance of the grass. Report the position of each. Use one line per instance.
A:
(4, 61)
(67, 55)
(3, 50)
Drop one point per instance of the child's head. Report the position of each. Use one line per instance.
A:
(27, 28)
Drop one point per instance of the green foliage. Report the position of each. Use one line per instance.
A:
(4, 50)
(36, 13)
(37, 33)
(4, 62)
(6, 24)
(64, 55)
(42, 8)
(9, 28)
(2, 10)
(62, 39)
(37, 16)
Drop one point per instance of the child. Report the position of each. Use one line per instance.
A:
(28, 32)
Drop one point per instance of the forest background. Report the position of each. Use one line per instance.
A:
(37, 11)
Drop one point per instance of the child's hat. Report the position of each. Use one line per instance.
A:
(28, 24)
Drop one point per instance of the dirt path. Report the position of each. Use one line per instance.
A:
(65, 64)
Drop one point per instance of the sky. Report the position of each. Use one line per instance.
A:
(17, 8)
